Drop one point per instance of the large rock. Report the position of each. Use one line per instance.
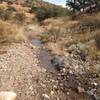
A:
(58, 62)
(7, 95)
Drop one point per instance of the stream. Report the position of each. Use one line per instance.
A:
(44, 56)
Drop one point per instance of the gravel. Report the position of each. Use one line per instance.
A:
(20, 71)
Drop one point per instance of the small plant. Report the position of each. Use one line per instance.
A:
(1, 13)
(11, 9)
(1, 1)
(5, 14)
(20, 17)
(10, 2)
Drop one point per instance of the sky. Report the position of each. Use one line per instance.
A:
(58, 2)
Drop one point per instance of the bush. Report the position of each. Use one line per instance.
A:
(43, 13)
(1, 1)
(5, 14)
(11, 9)
(20, 17)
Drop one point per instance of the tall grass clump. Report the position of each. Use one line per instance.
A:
(10, 32)
(53, 34)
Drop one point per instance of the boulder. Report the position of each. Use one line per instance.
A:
(8, 95)
(58, 62)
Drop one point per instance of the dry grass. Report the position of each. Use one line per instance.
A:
(10, 32)
(97, 39)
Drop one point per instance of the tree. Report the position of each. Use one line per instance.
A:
(83, 5)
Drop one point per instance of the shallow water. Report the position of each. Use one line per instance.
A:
(44, 56)
(37, 42)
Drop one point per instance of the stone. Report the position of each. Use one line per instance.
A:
(58, 62)
(80, 89)
(45, 97)
(94, 83)
(52, 92)
(90, 93)
(8, 95)
(55, 87)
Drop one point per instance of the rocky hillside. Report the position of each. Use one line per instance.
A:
(54, 58)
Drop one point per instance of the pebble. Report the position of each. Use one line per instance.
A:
(45, 97)
(52, 92)
(80, 89)
(68, 93)
(94, 83)
(64, 70)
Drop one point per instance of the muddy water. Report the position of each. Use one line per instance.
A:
(44, 56)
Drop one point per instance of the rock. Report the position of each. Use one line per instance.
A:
(64, 70)
(55, 87)
(72, 48)
(94, 83)
(45, 97)
(94, 97)
(52, 92)
(7, 95)
(58, 62)
(90, 93)
(97, 98)
(80, 89)
(81, 46)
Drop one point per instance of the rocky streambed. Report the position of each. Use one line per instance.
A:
(31, 75)
(78, 74)
(72, 72)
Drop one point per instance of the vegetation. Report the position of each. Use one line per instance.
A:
(11, 9)
(10, 32)
(85, 5)
(19, 16)
(1, 1)
(53, 34)
(43, 13)
(6, 14)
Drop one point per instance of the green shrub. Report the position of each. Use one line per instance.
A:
(20, 17)
(10, 2)
(43, 13)
(11, 9)
(1, 1)
(5, 14)
(1, 13)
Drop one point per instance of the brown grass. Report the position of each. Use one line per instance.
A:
(97, 39)
(10, 32)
